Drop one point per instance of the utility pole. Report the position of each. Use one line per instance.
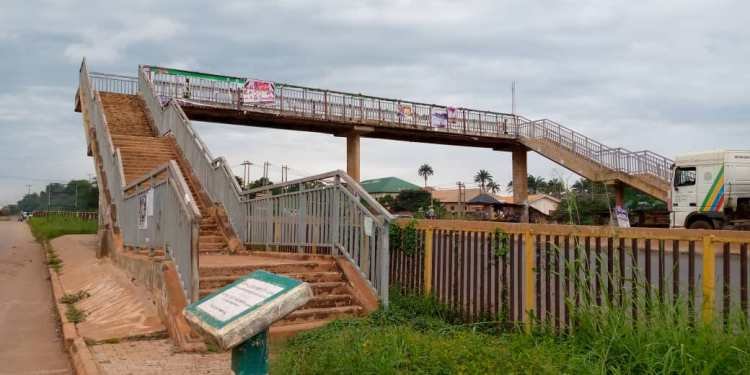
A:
(461, 198)
(246, 173)
(76, 200)
(28, 188)
(266, 165)
(284, 173)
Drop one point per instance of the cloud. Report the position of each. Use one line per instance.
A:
(668, 76)
(106, 46)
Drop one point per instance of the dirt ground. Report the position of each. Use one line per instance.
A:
(30, 339)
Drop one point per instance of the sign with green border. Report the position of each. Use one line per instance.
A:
(240, 298)
(197, 75)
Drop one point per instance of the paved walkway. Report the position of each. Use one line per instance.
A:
(30, 342)
(157, 357)
(117, 308)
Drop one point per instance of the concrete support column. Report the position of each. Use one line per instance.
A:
(352, 156)
(521, 182)
(619, 194)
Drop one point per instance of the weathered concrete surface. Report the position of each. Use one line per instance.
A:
(31, 343)
(117, 308)
(157, 357)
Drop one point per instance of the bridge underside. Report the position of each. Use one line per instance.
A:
(498, 142)
(407, 133)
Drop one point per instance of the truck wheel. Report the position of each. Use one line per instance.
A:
(701, 224)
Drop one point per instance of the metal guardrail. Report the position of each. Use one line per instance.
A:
(327, 213)
(616, 159)
(312, 103)
(175, 221)
(290, 100)
(288, 220)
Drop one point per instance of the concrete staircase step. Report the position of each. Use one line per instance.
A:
(280, 268)
(322, 313)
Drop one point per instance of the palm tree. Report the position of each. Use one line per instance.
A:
(493, 187)
(425, 171)
(482, 177)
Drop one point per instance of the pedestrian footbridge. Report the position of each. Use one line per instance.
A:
(163, 190)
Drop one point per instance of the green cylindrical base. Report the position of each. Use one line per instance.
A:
(251, 357)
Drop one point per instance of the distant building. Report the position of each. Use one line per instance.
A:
(380, 187)
(488, 206)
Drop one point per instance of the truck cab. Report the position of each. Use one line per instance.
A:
(711, 190)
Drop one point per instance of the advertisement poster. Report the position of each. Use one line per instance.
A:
(452, 116)
(439, 118)
(257, 92)
(142, 211)
(405, 112)
(623, 221)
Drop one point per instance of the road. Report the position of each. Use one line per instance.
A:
(30, 340)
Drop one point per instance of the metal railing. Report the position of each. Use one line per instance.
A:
(172, 219)
(114, 83)
(356, 226)
(616, 159)
(327, 105)
(328, 213)
(171, 222)
(214, 174)
(200, 89)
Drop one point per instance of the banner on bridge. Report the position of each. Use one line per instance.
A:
(257, 92)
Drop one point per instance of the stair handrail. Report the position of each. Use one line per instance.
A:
(127, 205)
(214, 174)
(615, 158)
(328, 210)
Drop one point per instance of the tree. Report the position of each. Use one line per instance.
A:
(412, 201)
(493, 187)
(534, 184)
(425, 171)
(482, 178)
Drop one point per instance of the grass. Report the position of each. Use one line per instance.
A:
(47, 228)
(418, 335)
(73, 314)
(71, 298)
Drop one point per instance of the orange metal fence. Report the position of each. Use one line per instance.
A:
(538, 272)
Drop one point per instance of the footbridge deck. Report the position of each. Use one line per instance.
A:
(246, 101)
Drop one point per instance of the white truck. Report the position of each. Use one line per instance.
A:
(711, 190)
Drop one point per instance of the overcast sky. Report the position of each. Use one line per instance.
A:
(669, 76)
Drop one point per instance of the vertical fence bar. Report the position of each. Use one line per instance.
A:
(428, 262)
(709, 282)
(528, 279)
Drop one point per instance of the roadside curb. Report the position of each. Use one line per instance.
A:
(79, 353)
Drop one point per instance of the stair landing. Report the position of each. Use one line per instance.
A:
(333, 294)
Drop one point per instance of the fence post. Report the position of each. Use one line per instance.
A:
(428, 261)
(384, 263)
(709, 279)
(528, 279)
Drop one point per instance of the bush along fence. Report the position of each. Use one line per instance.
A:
(527, 273)
(84, 215)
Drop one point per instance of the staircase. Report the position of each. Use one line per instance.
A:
(142, 152)
(643, 170)
(333, 294)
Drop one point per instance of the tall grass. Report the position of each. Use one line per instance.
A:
(49, 227)
(420, 335)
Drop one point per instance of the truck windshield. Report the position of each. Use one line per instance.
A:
(684, 176)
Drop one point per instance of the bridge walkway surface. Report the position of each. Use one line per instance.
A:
(222, 99)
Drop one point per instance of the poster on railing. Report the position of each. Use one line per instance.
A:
(405, 112)
(452, 116)
(623, 221)
(257, 92)
(439, 118)
(142, 211)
